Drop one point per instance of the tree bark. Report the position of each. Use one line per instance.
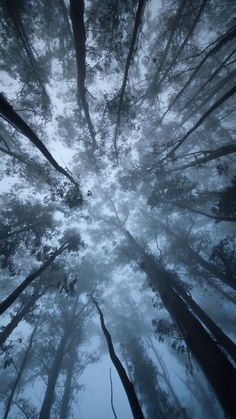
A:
(9, 114)
(128, 386)
(217, 368)
(29, 279)
(214, 363)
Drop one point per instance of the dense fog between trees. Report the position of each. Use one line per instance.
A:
(118, 209)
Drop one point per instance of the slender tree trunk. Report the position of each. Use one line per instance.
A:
(78, 26)
(14, 155)
(112, 403)
(213, 217)
(19, 375)
(222, 40)
(174, 26)
(15, 320)
(215, 154)
(212, 269)
(52, 379)
(212, 76)
(164, 374)
(9, 114)
(25, 42)
(219, 102)
(128, 386)
(137, 23)
(29, 279)
(188, 36)
(64, 412)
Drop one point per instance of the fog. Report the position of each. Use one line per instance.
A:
(118, 209)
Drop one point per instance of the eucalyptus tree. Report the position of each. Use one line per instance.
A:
(180, 304)
(150, 86)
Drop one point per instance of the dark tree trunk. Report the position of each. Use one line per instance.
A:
(181, 48)
(64, 412)
(202, 87)
(15, 320)
(223, 40)
(19, 375)
(8, 113)
(12, 9)
(213, 217)
(77, 19)
(52, 378)
(209, 267)
(174, 26)
(214, 363)
(128, 386)
(137, 23)
(223, 340)
(219, 102)
(29, 279)
(209, 156)
(217, 368)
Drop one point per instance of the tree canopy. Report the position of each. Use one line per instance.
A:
(118, 209)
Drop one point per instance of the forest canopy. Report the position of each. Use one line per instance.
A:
(118, 209)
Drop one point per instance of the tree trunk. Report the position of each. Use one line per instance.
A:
(212, 269)
(64, 412)
(12, 9)
(223, 40)
(214, 363)
(77, 19)
(128, 386)
(174, 26)
(15, 320)
(219, 102)
(165, 376)
(14, 155)
(202, 87)
(188, 36)
(8, 113)
(19, 375)
(213, 217)
(215, 154)
(52, 378)
(137, 23)
(29, 279)
(223, 340)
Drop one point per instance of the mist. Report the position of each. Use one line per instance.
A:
(118, 209)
